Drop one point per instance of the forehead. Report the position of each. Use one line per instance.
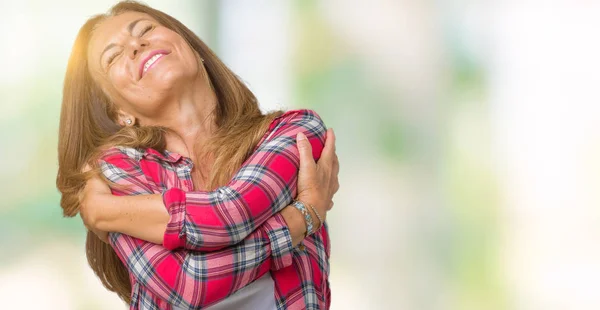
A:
(105, 31)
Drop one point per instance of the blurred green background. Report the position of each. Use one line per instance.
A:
(468, 135)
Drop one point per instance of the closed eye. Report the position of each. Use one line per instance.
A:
(112, 57)
(115, 55)
(148, 28)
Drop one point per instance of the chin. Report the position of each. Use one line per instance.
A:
(173, 77)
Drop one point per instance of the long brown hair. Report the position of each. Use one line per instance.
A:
(88, 124)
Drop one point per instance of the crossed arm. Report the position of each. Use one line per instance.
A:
(210, 220)
(259, 232)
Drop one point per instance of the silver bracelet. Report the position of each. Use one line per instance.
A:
(307, 218)
(318, 216)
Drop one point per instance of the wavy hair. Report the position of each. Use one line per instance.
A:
(88, 125)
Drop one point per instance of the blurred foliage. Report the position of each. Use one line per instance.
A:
(435, 161)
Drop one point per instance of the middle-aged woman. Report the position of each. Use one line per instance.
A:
(232, 215)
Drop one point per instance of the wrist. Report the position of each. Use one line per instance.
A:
(317, 218)
(295, 223)
(314, 206)
(313, 199)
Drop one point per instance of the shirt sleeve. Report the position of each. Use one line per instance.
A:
(193, 279)
(265, 184)
(189, 279)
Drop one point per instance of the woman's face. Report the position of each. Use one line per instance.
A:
(140, 64)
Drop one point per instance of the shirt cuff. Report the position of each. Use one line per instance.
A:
(281, 241)
(175, 202)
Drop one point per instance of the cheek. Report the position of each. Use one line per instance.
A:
(124, 86)
(119, 88)
(119, 77)
(194, 59)
(188, 55)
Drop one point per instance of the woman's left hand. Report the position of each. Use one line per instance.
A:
(89, 199)
(318, 182)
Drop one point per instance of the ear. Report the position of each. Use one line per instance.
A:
(125, 119)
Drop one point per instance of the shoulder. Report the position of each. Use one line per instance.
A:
(304, 119)
(299, 115)
(120, 155)
(121, 165)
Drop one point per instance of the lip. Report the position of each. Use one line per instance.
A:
(150, 55)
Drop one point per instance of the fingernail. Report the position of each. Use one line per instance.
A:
(300, 136)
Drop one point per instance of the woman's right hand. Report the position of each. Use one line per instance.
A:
(89, 197)
(139, 216)
(318, 182)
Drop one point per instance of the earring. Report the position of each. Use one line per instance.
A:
(202, 59)
(128, 121)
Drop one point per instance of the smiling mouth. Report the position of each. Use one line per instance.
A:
(151, 61)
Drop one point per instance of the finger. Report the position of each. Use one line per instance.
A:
(93, 184)
(97, 185)
(86, 168)
(333, 135)
(336, 165)
(97, 180)
(104, 237)
(329, 148)
(334, 182)
(305, 150)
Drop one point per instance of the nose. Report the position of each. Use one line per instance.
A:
(136, 45)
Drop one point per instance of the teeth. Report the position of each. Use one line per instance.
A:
(151, 61)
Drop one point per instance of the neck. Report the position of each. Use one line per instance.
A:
(190, 117)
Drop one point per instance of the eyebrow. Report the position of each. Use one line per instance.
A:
(129, 28)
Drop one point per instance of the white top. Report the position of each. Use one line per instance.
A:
(259, 295)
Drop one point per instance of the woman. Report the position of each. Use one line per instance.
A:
(220, 201)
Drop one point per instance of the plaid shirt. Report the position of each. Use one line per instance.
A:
(217, 242)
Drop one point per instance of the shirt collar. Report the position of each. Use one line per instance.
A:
(167, 156)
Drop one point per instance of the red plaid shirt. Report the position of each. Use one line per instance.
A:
(217, 242)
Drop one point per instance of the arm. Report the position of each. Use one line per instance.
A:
(149, 226)
(207, 221)
(191, 279)
(264, 185)
(144, 216)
